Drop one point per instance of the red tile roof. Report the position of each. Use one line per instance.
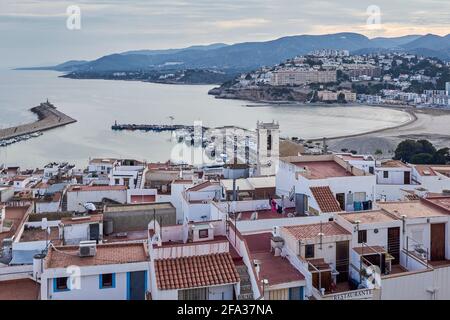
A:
(309, 231)
(196, 271)
(325, 199)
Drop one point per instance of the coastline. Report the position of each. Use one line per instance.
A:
(413, 118)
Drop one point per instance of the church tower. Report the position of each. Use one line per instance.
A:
(268, 144)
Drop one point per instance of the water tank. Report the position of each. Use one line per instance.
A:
(38, 265)
(108, 227)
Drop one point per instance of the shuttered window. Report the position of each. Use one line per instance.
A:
(193, 294)
(281, 294)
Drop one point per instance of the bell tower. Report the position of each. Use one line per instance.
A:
(268, 147)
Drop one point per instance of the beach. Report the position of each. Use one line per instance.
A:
(429, 124)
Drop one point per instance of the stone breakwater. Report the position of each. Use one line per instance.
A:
(48, 118)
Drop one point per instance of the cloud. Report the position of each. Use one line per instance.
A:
(39, 26)
(241, 23)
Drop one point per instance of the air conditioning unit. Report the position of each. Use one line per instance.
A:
(88, 248)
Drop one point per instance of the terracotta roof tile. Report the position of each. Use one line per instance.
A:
(195, 271)
(325, 199)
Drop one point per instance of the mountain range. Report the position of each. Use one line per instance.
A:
(252, 55)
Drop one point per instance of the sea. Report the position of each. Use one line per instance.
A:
(98, 104)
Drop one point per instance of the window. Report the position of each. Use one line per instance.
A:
(269, 142)
(362, 236)
(117, 181)
(371, 170)
(296, 293)
(107, 281)
(193, 294)
(60, 284)
(309, 251)
(281, 294)
(202, 234)
(359, 196)
(386, 174)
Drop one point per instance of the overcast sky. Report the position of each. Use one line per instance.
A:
(34, 32)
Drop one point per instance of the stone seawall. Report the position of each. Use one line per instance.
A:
(48, 118)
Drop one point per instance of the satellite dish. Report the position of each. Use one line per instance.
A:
(90, 206)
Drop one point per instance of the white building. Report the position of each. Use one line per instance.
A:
(128, 173)
(433, 178)
(75, 229)
(195, 265)
(104, 272)
(101, 166)
(317, 182)
(77, 196)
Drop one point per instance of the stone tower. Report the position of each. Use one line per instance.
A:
(268, 147)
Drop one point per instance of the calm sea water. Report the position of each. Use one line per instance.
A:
(96, 104)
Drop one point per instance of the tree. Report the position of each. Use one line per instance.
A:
(378, 153)
(345, 150)
(422, 158)
(421, 152)
(426, 147)
(442, 156)
(406, 150)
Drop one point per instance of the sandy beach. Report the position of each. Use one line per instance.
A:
(430, 124)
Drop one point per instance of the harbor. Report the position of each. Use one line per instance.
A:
(48, 118)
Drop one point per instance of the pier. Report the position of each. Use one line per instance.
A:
(153, 127)
(48, 118)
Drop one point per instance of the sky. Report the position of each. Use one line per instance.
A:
(35, 33)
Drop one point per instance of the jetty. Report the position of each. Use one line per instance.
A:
(48, 118)
(153, 127)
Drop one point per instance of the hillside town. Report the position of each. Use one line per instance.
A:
(285, 226)
(336, 76)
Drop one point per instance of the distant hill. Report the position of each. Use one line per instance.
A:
(68, 66)
(391, 43)
(172, 51)
(251, 55)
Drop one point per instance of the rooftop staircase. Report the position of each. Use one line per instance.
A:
(246, 292)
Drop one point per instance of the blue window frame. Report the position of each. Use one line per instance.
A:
(128, 285)
(107, 281)
(61, 284)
